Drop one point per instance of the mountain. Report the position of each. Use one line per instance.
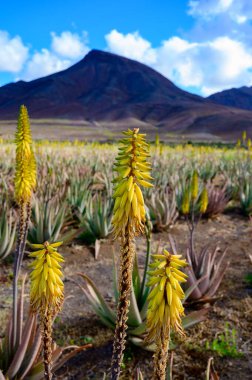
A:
(235, 97)
(107, 88)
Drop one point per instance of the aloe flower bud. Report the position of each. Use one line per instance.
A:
(165, 307)
(47, 293)
(185, 207)
(46, 278)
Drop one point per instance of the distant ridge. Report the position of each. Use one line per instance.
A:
(105, 87)
(235, 97)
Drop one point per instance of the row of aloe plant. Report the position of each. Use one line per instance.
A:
(78, 197)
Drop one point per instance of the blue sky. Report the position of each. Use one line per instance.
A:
(203, 46)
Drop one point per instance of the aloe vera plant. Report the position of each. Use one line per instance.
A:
(218, 199)
(8, 227)
(24, 360)
(103, 180)
(96, 222)
(205, 271)
(47, 221)
(163, 209)
(79, 196)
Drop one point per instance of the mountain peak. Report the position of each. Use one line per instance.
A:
(105, 87)
(96, 55)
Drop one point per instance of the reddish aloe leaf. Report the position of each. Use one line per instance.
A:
(216, 281)
(189, 291)
(214, 256)
(188, 258)
(20, 312)
(202, 257)
(217, 266)
(69, 355)
(31, 356)
(21, 351)
(206, 271)
(191, 281)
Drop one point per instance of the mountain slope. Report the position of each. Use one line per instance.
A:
(100, 86)
(235, 97)
(104, 87)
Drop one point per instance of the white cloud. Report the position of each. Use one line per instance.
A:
(208, 8)
(13, 53)
(70, 45)
(131, 45)
(176, 60)
(44, 63)
(209, 66)
(239, 11)
(66, 49)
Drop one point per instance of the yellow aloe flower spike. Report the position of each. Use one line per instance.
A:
(47, 289)
(133, 171)
(195, 185)
(203, 201)
(25, 175)
(23, 138)
(47, 292)
(185, 207)
(249, 144)
(165, 307)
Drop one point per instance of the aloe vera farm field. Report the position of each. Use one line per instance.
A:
(195, 201)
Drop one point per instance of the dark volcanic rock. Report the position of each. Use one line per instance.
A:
(107, 87)
(100, 86)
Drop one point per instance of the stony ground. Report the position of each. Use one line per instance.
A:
(77, 323)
